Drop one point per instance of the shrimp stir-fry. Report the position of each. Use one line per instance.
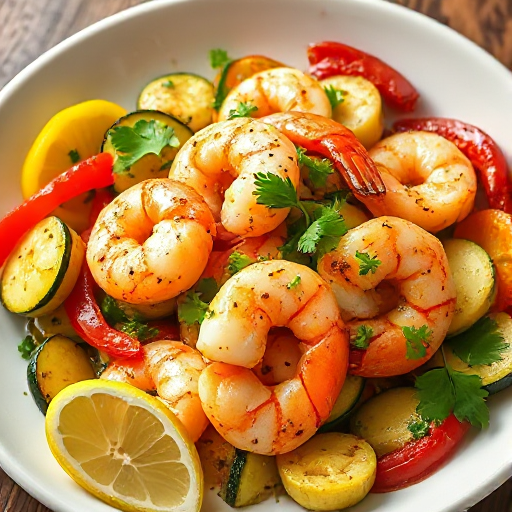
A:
(250, 415)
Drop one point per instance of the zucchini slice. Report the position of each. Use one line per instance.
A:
(41, 272)
(55, 322)
(474, 277)
(385, 419)
(150, 165)
(252, 478)
(331, 471)
(56, 364)
(237, 71)
(496, 376)
(347, 399)
(185, 96)
(361, 109)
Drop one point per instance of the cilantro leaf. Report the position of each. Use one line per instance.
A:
(116, 317)
(436, 394)
(192, 310)
(319, 169)
(419, 428)
(324, 234)
(416, 341)
(469, 403)
(480, 344)
(336, 96)
(237, 261)
(362, 339)
(26, 347)
(74, 156)
(135, 142)
(274, 192)
(242, 110)
(218, 58)
(367, 263)
(208, 288)
(294, 282)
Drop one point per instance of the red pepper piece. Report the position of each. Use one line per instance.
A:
(328, 59)
(86, 317)
(479, 148)
(95, 172)
(167, 330)
(419, 459)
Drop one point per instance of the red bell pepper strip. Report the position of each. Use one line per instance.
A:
(95, 172)
(479, 148)
(88, 321)
(419, 459)
(329, 59)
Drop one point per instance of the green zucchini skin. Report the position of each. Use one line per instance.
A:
(230, 490)
(347, 400)
(22, 262)
(186, 96)
(65, 362)
(150, 165)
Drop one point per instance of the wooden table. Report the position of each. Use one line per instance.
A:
(29, 27)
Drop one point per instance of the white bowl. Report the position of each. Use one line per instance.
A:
(115, 58)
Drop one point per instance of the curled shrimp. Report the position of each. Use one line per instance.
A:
(409, 285)
(278, 90)
(428, 180)
(220, 163)
(151, 243)
(171, 369)
(248, 414)
(335, 142)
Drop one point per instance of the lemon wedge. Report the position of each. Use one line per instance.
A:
(125, 447)
(71, 135)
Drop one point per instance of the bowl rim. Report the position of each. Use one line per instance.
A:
(11, 466)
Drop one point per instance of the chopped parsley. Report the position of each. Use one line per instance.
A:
(294, 282)
(367, 263)
(319, 168)
(218, 58)
(362, 338)
(192, 310)
(27, 347)
(336, 96)
(74, 156)
(133, 143)
(419, 428)
(416, 341)
(168, 84)
(242, 110)
(237, 261)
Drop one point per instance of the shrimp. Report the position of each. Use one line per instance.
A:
(220, 163)
(335, 142)
(278, 90)
(172, 370)
(409, 285)
(151, 243)
(248, 414)
(428, 179)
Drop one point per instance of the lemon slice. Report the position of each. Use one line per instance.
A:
(71, 135)
(125, 447)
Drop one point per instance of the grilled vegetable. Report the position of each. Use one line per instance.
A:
(56, 364)
(42, 270)
(56, 322)
(185, 96)
(133, 162)
(329, 472)
(347, 399)
(361, 108)
(473, 274)
(252, 478)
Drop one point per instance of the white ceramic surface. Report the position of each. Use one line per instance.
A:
(116, 57)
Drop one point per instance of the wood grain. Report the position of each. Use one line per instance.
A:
(30, 27)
